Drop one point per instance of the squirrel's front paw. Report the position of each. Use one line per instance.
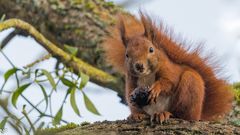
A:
(137, 117)
(155, 91)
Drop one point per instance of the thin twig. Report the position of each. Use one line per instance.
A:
(48, 56)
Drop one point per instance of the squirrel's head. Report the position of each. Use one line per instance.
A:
(142, 56)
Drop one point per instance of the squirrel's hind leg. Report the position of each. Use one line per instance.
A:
(188, 98)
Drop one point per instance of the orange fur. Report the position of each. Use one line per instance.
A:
(195, 91)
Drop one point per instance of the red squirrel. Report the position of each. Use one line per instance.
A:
(179, 82)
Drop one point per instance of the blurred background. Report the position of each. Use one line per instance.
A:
(215, 22)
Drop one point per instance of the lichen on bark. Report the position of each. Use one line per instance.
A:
(170, 127)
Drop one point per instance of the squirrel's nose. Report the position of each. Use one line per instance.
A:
(139, 67)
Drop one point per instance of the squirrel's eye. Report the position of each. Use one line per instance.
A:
(127, 55)
(151, 50)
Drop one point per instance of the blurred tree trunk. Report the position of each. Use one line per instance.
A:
(79, 23)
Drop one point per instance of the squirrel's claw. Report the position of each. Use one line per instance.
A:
(155, 91)
(160, 117)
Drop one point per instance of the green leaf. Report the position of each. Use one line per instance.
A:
(73, 101)
(9, 73)
(18, 92)
(67, 82)
(50, 78)
(90, 106)
(58, 117)
(3, 123)
(84, 80)
(71, 50)
(44, 94)
(3, 18)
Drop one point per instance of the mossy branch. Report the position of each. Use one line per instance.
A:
(77, 64)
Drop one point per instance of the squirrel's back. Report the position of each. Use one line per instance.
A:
(218, 96)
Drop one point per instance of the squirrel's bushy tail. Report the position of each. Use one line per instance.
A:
(218, 99)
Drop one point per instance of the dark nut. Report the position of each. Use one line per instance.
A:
(139, 97)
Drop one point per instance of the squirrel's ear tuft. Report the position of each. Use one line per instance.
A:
(149, 27)
(122, 31)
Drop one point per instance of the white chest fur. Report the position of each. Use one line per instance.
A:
(163, 102)
(161, 105)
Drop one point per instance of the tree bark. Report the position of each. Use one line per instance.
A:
(79, 23)
(170, 127)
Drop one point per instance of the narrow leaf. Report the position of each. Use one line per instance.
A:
(58, 117)
(89, 105)
(3, 18)
(9, 73)
(67, 82)
(3, 123)
(50, 78)
(73, 101)
(84, 80)
(44, 94)
(18, 92)
(71, 50)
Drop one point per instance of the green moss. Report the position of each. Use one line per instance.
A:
(84, 123)
(236, 123)
(236, 85)
(90, 6)
(54, 130)
(236, 89)
(76, 2)
(108, 4)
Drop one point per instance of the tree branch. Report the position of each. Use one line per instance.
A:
(77, 64)
(81, 24)
(170, 127)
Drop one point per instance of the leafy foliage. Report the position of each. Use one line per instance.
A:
(67, 82)
(38, 77)
(84, 80)
(58, 117)
(73, 101)
(18, 92)
(50, 78)
(9, 73)
(44, 94)
(90, 106)
(3, 123)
